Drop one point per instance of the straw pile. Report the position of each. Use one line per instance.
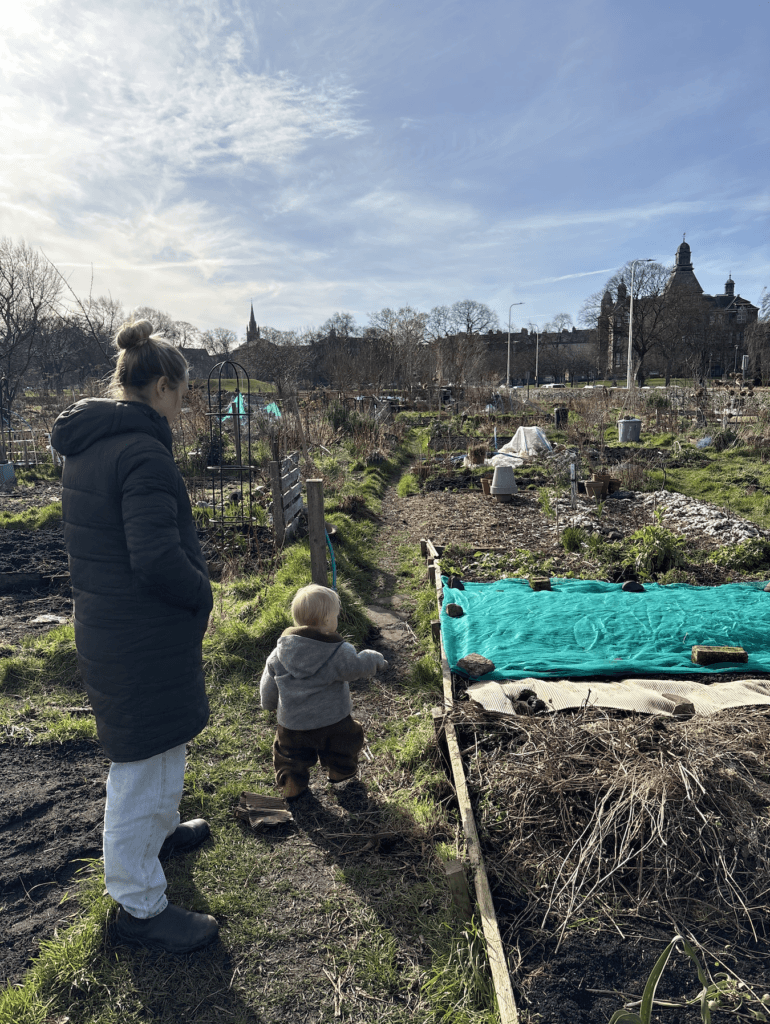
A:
(586, 816)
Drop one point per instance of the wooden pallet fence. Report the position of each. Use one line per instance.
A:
(501, 980)
(286, 485)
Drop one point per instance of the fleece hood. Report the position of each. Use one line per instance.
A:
(303, 651)
(92, 419)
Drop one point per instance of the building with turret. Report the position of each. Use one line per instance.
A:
(717, 323)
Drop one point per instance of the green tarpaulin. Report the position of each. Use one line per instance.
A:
(585, 628)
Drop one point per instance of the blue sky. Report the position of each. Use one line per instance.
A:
(356, 154)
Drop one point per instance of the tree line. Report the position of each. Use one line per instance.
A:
(50, 335)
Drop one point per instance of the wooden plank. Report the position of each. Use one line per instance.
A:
(290, 496)
(293, 510)
(289, 479)
(498, 965)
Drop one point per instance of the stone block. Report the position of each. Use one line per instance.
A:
(476, 665)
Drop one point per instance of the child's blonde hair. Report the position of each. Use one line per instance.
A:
(314, 605)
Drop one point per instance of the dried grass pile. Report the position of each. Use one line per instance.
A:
(586, 816)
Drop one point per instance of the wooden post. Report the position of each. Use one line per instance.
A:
(302, 437)
(279, 525)
(316, 528)
(458, 886)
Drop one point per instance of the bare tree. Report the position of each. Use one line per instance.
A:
(30, 288)
(178, 332)
(650, 333)
(470, 317)
(557, 324)
(439, 323)
(220, 342)
(343, 325)
(400, 336)
(64, 350)
(283, 357)
(758, 340)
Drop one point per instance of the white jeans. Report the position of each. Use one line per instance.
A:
(142, 810)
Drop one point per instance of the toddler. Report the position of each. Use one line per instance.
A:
(306, 681)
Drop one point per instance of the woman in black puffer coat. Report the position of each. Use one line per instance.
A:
(142, 600)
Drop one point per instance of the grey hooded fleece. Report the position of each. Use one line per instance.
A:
(306, 677)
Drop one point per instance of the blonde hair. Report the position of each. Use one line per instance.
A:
(144, 357)
(314, 605)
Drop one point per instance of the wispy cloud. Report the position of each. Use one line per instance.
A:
(570, 277)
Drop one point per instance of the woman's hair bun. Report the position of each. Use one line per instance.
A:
(133, 334)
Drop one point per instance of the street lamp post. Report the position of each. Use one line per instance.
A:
(508, 370)
(630, 369)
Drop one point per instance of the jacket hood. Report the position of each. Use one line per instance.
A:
(302, 656)
(92, 419)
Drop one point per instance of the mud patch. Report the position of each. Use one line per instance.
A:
(51, 811)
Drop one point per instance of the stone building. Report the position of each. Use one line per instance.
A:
(689, 320)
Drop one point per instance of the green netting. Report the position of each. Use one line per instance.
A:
(591, 628)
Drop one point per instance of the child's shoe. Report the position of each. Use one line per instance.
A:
(292, 789)
(334, 776)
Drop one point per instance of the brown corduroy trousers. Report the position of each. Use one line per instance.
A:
(337, 747)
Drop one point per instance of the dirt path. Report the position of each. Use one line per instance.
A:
(53, 800)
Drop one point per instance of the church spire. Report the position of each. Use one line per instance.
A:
(252, 331)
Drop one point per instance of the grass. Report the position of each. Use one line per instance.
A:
(371, 940)
(31, 518)
(407, 485)
(257, 387)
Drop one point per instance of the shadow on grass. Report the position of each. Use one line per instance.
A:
(195, 987)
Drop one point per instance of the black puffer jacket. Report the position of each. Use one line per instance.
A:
(140, 582)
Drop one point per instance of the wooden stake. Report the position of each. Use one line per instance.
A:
(279, 525)
(302, 437)
(458, 886)
(316, 527)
